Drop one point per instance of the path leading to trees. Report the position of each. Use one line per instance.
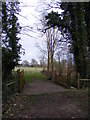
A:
(38, 87)
(42, 99)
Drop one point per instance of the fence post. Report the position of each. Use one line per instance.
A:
(78, 81)
(6, 89)
(23, 79)
(18, 78)
(15, 81)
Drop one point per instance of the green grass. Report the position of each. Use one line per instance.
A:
(31, 73)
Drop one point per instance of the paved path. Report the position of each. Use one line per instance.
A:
(41, 86)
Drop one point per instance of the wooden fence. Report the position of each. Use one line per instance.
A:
(67, 80)
(62, 80)
(84, 82)
(59, 79)
(10, 88)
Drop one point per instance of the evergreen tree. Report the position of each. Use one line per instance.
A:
(10, 40)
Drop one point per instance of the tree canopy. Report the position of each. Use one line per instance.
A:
(10, 40)
(73, 22)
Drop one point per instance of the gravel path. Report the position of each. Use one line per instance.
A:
(38, 87)
(43, 99)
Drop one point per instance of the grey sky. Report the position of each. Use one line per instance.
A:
(28, 43)
(32, 12)
(29, 11)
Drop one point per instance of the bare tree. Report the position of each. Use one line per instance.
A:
(59, 61)
(43, 62)
(70, 65)
(34, 63)
(52, 36)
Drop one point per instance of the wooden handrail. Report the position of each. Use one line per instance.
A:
(84, 79)
(79, 79)
(10, 83)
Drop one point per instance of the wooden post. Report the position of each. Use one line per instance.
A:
(78, 81)
(23, 79)
(15, 81)
(6, 88)
(18, 77)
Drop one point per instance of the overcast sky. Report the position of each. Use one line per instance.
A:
(30, 15)
(28, 38)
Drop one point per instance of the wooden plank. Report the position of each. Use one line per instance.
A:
(11, 83)
(84, 79)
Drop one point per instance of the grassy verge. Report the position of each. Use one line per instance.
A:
(32, 73)
(80, 92)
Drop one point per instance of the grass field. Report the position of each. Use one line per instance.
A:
(31, 73)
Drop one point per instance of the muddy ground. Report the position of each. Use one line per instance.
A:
(42, 99)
